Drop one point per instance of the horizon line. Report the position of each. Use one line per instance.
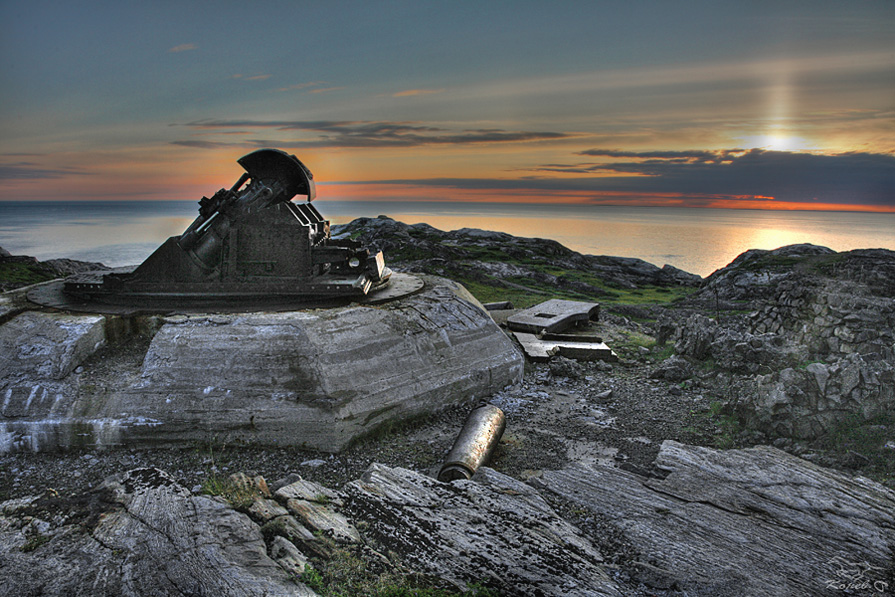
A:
(743, 205)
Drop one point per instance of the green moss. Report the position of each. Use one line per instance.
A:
(864, 442)
(24, 273)
(34, 542)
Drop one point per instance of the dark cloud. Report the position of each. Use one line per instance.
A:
(856, 178)
(204, 144)
(341, 133)
(672, 155)
(31, 171)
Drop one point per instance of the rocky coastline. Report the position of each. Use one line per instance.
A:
(743, 445)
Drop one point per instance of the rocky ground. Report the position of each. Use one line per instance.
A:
(777, 328)
(564, 411)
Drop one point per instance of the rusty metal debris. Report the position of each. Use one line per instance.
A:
(249, 244)
(475, 443)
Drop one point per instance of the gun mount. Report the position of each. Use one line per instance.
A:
(250, 244)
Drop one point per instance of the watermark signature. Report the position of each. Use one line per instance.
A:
(856, 576)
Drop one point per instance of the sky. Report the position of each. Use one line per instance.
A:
(746, 104)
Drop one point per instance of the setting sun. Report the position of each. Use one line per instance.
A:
(778, 142)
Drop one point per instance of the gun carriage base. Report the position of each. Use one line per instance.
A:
(251, 247)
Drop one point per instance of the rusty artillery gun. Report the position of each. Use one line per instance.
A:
(250, 245)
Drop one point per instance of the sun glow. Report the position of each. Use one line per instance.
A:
(777, 142)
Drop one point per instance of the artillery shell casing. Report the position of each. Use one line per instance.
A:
(475, 444)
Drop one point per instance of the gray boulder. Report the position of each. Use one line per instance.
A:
(755, 273)
(811, 402)
(142, 534)
(492, 530)
(754, 522)
(734, 349)
(673, 369)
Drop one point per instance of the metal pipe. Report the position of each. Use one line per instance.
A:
(475, 443)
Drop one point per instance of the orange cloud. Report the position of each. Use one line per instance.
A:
(302, 86)
(413, 92)
(183, 48)
(410, 193)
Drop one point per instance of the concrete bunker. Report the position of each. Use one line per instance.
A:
(317, 346)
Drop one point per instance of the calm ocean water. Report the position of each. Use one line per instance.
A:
(696, 240)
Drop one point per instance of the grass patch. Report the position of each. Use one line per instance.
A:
(633, 342)
(238, 495)
(35, 541)
(526, 292)
(864, 443)
(724, 426)
(23, 273)
(487, 293)
(663, 353)
(347, 575)
(728, 426)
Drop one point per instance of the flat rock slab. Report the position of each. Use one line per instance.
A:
(540, 349)
(142, 534)
(754, 522)
(491, 530)
(318, 378)
(554, 315)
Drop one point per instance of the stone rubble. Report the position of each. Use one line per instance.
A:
(819, 339)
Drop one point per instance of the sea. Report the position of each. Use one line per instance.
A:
(697, 240)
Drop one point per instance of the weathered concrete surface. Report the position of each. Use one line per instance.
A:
(742, 522)
(140, 535)
(554, 315)
(318, 378)
(38, 354)
(493, 530)
(48, 345)
(541, 349)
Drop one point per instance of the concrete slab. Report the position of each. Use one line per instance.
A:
(554, 315)
(499, 306)
(541, 349)
(500, 317)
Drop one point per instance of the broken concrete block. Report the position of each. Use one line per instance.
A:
(554, 315)
(539, 349)
(499, 306)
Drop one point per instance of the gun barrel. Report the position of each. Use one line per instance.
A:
(475, 443)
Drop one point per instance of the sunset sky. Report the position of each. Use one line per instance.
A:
(773, 104)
